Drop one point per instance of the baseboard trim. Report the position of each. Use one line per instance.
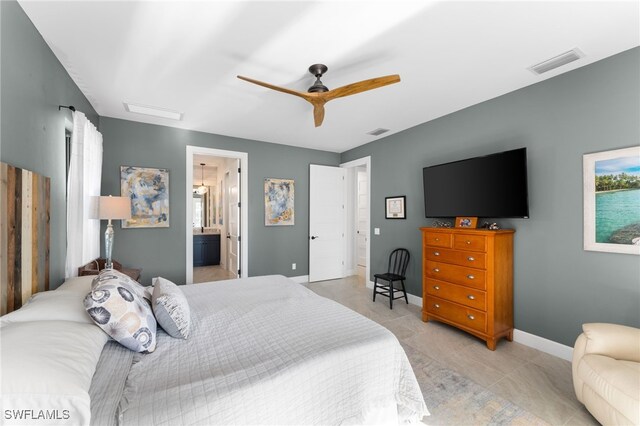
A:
(522, 337)
(545, 345)
(300, 279)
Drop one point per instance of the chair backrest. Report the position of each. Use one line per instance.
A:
(398, 261)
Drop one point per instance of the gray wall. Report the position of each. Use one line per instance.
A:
(161, 252)
(558, 285)
(32, 85)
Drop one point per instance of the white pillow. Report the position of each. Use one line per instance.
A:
(171, 308)
(47, 367)
(51, 306)
(79, 284)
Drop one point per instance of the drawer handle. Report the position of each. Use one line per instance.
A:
(437, 287)
(470, 277)
(468, 242)
(471, 317)
(471, 258)
(471, 297)
(436, 306)
(437, 239)
(436, 253)
(436, 270)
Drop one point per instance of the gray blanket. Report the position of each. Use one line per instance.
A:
(262, 350)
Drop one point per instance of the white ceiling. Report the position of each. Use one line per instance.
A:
(210, 170)
(185, 56)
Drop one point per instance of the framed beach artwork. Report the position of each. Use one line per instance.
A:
(148, 189)
(612, 201)
(279, 197)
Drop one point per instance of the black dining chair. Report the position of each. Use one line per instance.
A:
(398, 261)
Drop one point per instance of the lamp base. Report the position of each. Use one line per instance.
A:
(108, 245)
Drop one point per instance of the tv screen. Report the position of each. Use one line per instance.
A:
(491, 186)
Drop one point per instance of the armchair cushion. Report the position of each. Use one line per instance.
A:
(606, 373)
(612, 340)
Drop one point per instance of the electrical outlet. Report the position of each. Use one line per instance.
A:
(376, 231)
(293, 266)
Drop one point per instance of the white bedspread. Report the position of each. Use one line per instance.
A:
(266, 350)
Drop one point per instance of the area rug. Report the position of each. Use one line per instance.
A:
(446, 391)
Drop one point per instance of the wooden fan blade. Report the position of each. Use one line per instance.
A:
(361, 86)
(318, 113)
(302, 95)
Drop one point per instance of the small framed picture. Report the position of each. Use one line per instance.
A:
(395, 207)
(466, 222)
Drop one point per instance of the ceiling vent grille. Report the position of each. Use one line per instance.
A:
(378, 131)
(557, 61)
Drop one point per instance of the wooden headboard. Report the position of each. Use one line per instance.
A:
(24, 235)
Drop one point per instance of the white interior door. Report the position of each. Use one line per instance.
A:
(233, 217)
(362, 216)
(326, 222)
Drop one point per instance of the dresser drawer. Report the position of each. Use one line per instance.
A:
(438, 239)
(461, 315)
(463, 295)
(469, 277)
(457, 257)
(470, 242)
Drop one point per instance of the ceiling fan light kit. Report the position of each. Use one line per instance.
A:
(319, 94)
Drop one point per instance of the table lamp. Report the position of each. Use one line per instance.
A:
(112, 208)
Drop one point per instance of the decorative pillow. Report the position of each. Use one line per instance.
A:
(116, 304)
(171, 308)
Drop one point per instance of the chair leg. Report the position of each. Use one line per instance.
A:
(405, 292)
(375, 288)
(391, 295)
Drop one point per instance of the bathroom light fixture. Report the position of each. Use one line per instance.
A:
(201, 190)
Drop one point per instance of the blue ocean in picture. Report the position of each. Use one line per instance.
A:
(616, 210)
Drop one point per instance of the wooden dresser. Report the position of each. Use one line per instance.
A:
(467, 280)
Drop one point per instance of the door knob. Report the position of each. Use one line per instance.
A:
(313, 237)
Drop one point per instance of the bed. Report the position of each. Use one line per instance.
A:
(262, 350)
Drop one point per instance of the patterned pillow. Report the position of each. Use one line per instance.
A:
(117, 305)
(171, 308)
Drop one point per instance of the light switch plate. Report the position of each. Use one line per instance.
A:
(376, 231)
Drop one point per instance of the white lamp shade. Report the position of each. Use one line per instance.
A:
(114, 208)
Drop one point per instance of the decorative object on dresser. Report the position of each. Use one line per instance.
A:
(612, 201)
(468, 280)
(396, 271)
(95, 266)
(279, 197)
(24, 235)
(466, 222)
(395, 207)
(148, 189)
(112, 208)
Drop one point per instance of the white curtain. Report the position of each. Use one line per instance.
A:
(83, 185)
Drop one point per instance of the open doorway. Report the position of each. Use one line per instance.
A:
(358, 177)
(216, 215)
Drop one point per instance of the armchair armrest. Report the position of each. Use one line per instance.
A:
(612, 340)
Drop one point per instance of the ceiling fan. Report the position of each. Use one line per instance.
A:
(319, 94)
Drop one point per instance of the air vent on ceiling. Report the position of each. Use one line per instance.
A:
(557, 61)
(153, 111)
(378, 131)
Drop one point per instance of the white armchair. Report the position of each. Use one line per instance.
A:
(606, 372)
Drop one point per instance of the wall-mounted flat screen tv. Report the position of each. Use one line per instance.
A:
(492, 186)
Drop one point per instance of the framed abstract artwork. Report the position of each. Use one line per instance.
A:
(148, 189)
(612, 201)
(395, 207)
(279, 195)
